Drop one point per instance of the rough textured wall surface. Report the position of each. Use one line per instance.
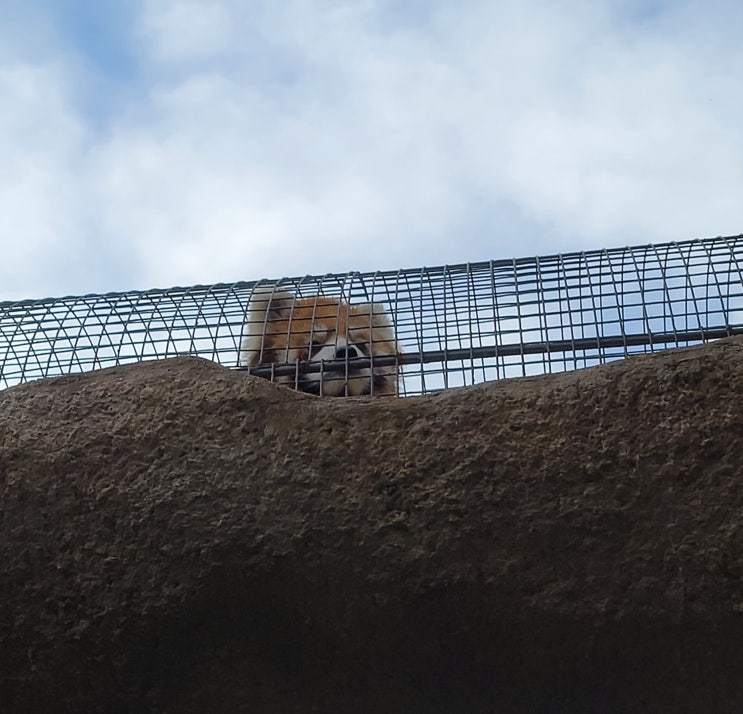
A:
(176, 537)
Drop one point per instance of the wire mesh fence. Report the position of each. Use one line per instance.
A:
(451, 326)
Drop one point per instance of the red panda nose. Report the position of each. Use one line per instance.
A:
(349, 352)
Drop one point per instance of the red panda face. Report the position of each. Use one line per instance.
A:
(281, 329)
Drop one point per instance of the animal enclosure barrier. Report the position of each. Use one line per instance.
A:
(454, 325)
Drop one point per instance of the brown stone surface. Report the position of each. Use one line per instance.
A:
(176, 537)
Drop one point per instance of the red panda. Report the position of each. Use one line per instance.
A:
(281, 328)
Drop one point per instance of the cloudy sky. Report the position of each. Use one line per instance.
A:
(151, 143)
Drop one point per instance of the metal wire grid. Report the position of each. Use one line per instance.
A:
(458, 325)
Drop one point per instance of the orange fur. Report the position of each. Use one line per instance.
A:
(283, 329)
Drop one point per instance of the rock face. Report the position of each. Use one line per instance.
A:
(176, 537)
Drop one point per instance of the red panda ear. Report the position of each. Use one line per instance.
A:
(281, 304)
(377, 315)
(269, 302)
(380, 316)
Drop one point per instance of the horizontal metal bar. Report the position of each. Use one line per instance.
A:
(495, 351)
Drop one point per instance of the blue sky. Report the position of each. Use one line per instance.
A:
(152, 143)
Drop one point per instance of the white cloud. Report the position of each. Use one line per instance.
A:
(264, 139)
(40, 141)
(185, 29)
(635, 155)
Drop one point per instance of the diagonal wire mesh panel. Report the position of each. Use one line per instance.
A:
(455, 325)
